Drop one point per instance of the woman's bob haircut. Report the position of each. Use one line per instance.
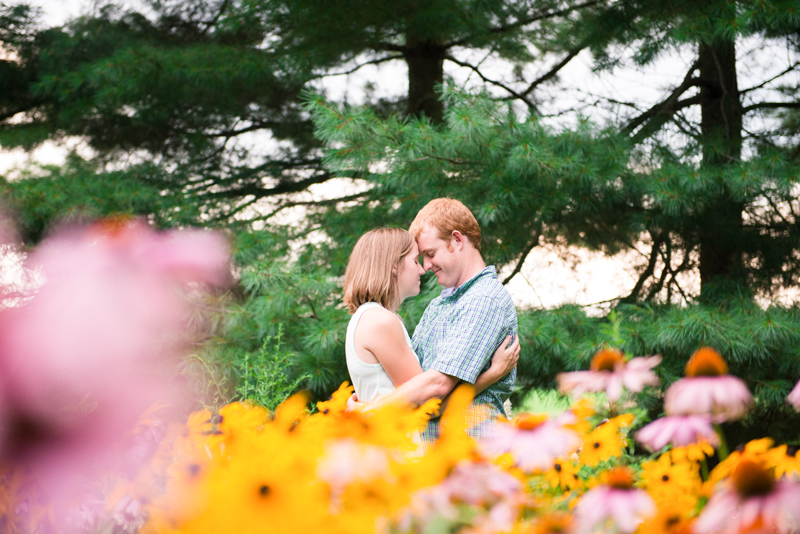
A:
(371, 269)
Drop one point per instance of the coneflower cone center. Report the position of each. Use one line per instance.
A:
(706, 362)
(620, 478)
(606, 359)
(530, 421)
(751, 479)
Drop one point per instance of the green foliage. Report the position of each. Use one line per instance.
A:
(263, 375)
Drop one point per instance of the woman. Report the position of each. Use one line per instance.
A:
(382, 272)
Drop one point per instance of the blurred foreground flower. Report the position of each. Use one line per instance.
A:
(794, 397)
(533, 440)
(761, 502)
(708, 389)
(609, 372)
(95, 346)
(614, 501)
(678, 431)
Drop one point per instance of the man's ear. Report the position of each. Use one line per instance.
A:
(457, 240)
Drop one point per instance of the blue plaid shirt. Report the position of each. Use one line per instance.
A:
(459, 332)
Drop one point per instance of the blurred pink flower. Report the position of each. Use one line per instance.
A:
(617, 501)
(794, 397)
(533, 440)
(752, 499)
(96, 344)
(707, 389)
(679, 431)
(609, 372)
(347, 460)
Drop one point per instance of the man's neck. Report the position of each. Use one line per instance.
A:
(473, 266)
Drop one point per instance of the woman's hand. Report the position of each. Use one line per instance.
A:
(505, 358)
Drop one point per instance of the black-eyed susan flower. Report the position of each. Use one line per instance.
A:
(564, 475)
(615, 503)
(708, 389)
(605, 441)
(610, 372)
(668, 482)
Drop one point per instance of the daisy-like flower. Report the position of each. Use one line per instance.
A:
(605, 441)
(708, 389)
(794, 397)
(534, 441)
(615, 501)
(670, 482)
(679, 431)
(564, 475)
(609, 372)
(760, 502)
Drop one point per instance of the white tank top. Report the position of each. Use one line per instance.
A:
(369, 379)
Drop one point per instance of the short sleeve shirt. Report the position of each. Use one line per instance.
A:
(461, 329)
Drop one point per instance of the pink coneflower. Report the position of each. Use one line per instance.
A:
(615, 501)
(679, 431)
(759, 502)
(533, 440)
(794, 397)
(708, 389)
(609, 372)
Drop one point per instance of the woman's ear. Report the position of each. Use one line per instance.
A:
(394, 272)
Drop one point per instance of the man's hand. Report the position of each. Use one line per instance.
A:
(353, 403)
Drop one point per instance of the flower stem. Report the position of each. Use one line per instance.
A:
(704, 469)
(723, 445)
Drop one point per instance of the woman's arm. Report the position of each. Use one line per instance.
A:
(379, 331)
(504, 359)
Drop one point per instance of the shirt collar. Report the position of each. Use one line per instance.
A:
(454, 291)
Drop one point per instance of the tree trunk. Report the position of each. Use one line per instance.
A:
(425, 59)
(719, 229)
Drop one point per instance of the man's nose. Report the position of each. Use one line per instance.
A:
(426, 263)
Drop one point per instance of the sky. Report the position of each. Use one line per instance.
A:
(550, 276)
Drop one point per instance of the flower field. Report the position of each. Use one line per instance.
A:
(245, 469)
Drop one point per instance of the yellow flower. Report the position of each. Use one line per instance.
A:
(671, 518)
(338, 401)
(564, 475)
(667, 482)
(604, 442)
(693, 453)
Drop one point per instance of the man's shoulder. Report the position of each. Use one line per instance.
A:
(488, 289)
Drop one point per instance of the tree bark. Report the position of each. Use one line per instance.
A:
(425, 59)
(719, 228)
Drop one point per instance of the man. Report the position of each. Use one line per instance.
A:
(460, 329)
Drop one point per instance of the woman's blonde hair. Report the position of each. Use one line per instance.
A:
(369, 275)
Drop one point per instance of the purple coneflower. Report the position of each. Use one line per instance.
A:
(533, 440)
(794, 397)
(609, 372)
(678, 430)
(760, 502)
(617, 501)
(708, 389)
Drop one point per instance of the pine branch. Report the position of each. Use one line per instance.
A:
(493, 82)
(658, 240)
(759, 86)
(327, 202)
(524, 22)
(262, 192)
(771, 105)
(527, 250)
(354, 69)
(552, 72)
(665, 108)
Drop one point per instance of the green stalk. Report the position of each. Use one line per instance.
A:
(723, 445)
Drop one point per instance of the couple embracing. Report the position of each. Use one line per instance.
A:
(468, 333)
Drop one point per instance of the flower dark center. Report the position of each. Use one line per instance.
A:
(751, 479)
(606, 359)
(665, 478)
(706, 362)
(620, 478)
(596, 444)
(557, 467)
(264, 490)
(530, 421)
